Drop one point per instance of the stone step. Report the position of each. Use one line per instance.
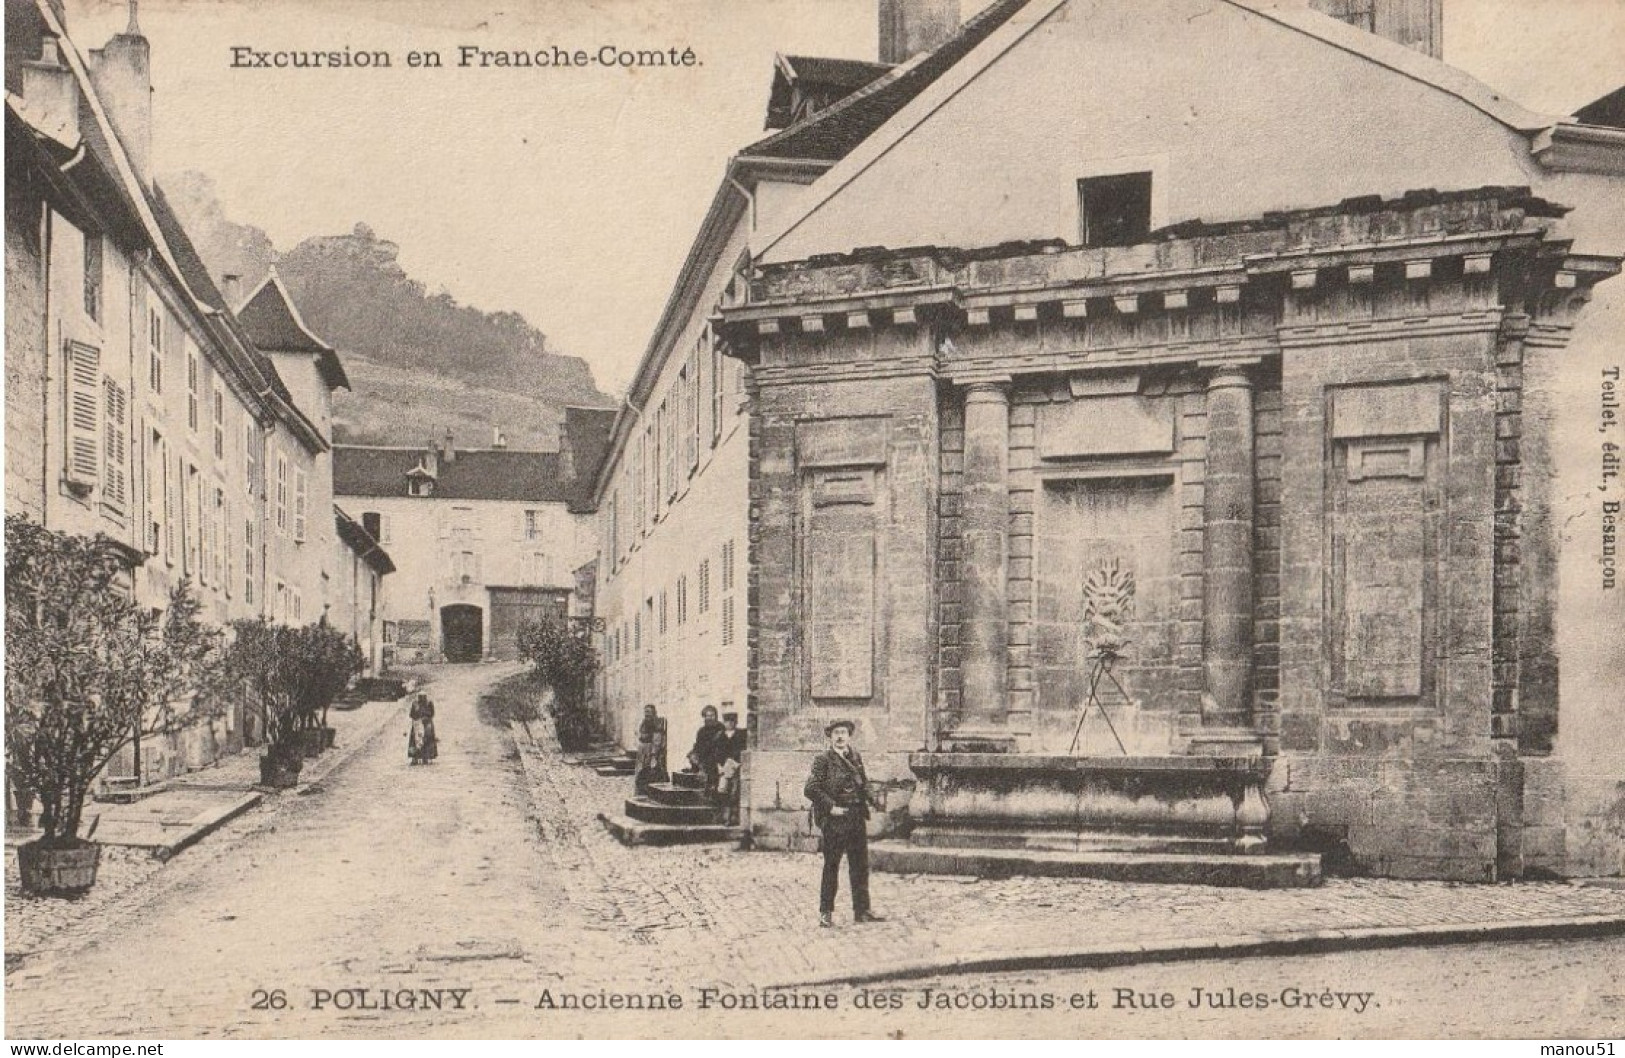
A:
(691, 780)
(635, 832)
(1250, 872)
(617, 769)
(1070, 840)
(645, 810)
(1225, 742)
(671, 794)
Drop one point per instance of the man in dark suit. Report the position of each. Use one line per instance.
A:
(839, 792)
(730, 752)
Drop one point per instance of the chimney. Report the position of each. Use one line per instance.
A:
(497, 440)
(234, 289)
(51, 93)
(431, 459)
(909, 27)
(122, 75)
(1417, 24)
(450, 450)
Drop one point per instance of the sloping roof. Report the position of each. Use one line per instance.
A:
(831, 133)
(1608, 111)
(587, 434)
(273, 322)
(815, 75)
(1400, 59)
(481, 474)
(363, 543)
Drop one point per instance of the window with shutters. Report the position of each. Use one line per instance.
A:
(717, 391)
(705, 586)
(115, 448)
(671, 454)
(93, 277)
(300, 498)
(83, 400)
(691, 390)
(157, 494)
(728, 621)
(682, 599)
(298, 604)
(663, 611)
(218, 531)
(191, 522)
(249, 561)
(728, 566)
(383, 529)
(219, 423)
(281, 493)
(533, 525)
(193, 381)
(171, 484)
(251, 464)
(155, 351)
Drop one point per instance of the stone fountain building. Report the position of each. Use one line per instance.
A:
(1164, 466)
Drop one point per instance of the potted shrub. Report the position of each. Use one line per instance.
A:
(261, 659)
(563, 657)
(294, 675)
(88, 670)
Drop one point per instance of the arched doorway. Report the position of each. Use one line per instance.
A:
(462, 632)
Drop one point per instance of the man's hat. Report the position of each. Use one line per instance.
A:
(851, 728)
(731, 716)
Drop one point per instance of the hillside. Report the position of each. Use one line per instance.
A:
(419, 363)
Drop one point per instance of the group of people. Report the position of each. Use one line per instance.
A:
(719, 745)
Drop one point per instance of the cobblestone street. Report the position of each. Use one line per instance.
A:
(486, 882)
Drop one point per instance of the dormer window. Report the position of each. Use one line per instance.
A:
(1115, 210)
(420, 486)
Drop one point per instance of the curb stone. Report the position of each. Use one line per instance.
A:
(1254, 945)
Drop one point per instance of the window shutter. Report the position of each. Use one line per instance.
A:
(169, 507)
(299, 497)
(84, 399)
(114, 477)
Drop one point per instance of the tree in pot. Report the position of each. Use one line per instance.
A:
(88, 670)
(563, 657)
(327, 660)
(262, 659)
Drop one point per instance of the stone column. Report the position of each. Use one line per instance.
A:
(984, 564)
(1227, 544)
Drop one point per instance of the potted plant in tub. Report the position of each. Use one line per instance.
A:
(88, 670)
(263, 659)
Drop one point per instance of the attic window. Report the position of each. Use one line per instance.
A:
(420, 486)
(1115, 210)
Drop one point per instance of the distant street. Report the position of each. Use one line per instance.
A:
(479, 896)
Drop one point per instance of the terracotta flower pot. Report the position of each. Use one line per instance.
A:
(47, 871)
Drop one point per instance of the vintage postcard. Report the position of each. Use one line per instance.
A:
(1094, 519)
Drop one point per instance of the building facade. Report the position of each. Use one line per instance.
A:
(483, 540)
(1207, 421)
(139, 406)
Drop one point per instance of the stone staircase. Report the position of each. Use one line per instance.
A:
(672, 813)
(610, 765)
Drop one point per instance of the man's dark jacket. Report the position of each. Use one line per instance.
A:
(837, 780)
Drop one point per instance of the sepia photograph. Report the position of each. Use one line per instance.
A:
(1088, 520)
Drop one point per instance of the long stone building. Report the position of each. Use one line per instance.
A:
(188, 426)
(1163, 455)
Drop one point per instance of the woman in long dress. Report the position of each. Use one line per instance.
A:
(651, 766)
(421, 746)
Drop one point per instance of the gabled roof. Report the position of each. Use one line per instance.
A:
(831, 133)
(480, 474)
(832, 78)
(1608, 111)
(586, 435)
(1402, 60)
(273, 322)
(363, 543)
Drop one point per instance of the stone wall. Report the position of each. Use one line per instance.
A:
(25, 356)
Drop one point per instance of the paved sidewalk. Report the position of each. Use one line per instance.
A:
(754, 913)
(139, 836)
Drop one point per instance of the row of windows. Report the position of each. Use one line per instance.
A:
(654, 464)
(659, 614)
